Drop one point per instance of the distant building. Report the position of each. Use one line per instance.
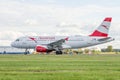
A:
(10, 50)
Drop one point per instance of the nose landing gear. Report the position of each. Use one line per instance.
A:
(26, 52)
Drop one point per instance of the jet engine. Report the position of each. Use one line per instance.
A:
(41, 48)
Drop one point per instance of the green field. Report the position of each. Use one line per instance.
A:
(60, 67)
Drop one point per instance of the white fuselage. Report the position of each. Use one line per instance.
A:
(57, 43)
(72, 42)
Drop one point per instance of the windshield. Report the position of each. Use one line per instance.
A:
(17, 40)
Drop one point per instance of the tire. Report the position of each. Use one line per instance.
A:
(61, 52)
(58, 52)
(27, 52)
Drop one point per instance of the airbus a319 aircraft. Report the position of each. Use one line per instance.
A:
(58, 43)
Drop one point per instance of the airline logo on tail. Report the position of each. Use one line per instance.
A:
(103, 29)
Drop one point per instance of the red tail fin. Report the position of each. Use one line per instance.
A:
(103, 29)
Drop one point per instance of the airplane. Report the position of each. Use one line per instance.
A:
(58, 43)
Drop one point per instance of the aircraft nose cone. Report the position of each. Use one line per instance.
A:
(13, 44)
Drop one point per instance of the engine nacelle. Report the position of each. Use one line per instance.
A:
(41, 48)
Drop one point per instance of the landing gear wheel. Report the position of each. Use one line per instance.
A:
(61, 52)
(58, 52)
(26, 52)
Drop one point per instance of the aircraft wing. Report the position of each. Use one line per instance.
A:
(57, 45)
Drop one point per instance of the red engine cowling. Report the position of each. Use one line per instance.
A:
(41, 48)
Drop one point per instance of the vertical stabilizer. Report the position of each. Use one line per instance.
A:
(103, 29)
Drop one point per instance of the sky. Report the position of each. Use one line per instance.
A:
(57, 17)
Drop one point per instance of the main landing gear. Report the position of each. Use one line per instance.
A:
(59, 52)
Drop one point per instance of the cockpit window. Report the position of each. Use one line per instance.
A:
(17, 40)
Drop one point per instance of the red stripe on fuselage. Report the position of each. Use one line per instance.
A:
(98, 34)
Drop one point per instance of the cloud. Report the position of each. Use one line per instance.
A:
(6, 37)
(9, 35)
(5, 42)
(20, 17)
(31, 22)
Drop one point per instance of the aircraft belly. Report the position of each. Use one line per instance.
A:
(77, 44)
